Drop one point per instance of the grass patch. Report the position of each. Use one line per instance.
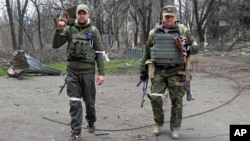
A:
(58, 66)
(112, 67)
(245, 58)
(122, 66)
(3, 72)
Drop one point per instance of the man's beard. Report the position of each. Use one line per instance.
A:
(82, 23)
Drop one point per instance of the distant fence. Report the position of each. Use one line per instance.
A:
(135, 53)
(5, 64)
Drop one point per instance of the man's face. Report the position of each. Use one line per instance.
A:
(168, 20)
(82, 17)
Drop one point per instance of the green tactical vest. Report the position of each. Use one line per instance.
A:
(81, 46)
(165, 51)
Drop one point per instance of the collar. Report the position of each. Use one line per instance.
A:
(84, 25)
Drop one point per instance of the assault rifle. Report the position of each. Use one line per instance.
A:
(62, 87)
(183, 49)
(144, 90)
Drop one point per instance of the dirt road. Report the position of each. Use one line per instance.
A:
(220, 88)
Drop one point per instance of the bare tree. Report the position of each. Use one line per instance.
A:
(12, 26)
(203, 11)
(143, 10)
(124, 20)
(17, 44)
(97, 6)
(21, 12)
(39, 22)
(186, 14)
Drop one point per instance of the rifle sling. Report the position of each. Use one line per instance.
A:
(78, 34)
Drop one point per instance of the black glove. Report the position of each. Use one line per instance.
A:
(144, 76)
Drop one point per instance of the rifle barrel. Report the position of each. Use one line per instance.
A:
(138, 84)
(62, 87)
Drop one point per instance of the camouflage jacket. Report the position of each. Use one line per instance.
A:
(150, 43)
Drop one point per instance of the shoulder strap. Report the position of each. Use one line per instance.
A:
(78, 34)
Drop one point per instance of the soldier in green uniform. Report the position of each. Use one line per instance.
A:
(164, 64)
(84, 51)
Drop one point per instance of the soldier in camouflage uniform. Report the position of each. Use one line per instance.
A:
(168, 63)
(84, 50)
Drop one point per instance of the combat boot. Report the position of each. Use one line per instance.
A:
(175, 134)
(91, 128)
(157, 130)
(74, 137)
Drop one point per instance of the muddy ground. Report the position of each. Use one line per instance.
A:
(32, 109)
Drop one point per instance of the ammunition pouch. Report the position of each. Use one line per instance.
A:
(79, 50)
(81, 46)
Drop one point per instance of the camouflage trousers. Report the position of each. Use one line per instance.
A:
(165, 80)
(81, 87)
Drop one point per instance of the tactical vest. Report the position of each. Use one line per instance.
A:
(165, 51)
(81, 46)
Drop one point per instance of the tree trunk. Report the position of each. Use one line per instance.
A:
(39, 25)
(21, 12)
(12, 26)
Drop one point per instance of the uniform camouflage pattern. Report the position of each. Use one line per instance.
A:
(161, 81)
(167, 77)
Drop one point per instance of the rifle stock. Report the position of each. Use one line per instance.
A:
(181, 48)
(183, 51)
